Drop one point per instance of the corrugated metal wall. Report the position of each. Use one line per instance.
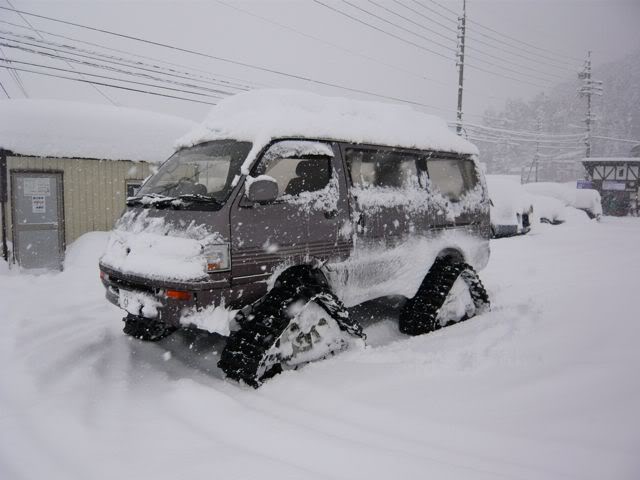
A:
(94, 190)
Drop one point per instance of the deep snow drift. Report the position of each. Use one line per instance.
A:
(544, 386)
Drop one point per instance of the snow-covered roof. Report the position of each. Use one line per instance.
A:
(259, 116)
(53, 128)
(610, 159)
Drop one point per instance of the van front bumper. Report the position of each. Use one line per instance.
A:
(166, 302)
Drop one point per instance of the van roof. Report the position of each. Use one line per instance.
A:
(54, 128)
(259, 116)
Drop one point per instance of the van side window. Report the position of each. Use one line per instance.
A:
(382, 168)
(452, 177)
(297, 175)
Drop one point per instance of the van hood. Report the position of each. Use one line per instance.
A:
(164, 244)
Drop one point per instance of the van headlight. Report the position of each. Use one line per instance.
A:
(217, 257)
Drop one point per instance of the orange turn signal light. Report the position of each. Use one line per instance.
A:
(178, 295)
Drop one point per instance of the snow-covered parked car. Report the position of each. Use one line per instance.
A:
(283, 209)
(548, 209)
(511, 206)
(583, 199)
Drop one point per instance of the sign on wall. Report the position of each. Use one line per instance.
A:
(39, 204)
(37, 186)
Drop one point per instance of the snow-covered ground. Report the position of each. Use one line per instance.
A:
(545, 386)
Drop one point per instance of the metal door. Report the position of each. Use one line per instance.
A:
(38, 223)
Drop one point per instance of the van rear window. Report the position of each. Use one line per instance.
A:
(452, 177)
(382, 168)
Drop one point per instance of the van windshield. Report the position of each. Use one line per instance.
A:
(197, 175)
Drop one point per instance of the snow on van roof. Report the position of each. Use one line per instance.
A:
(259, 116)
(54, 128)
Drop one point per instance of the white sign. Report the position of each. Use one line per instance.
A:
(613, 185)
(37, 186)
(39, 204)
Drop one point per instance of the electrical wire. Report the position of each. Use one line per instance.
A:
(613, 139)
(101, 93)
(389, 34)
(392, 12)
(522, 132)
(105, 67)
(558, 54)
(73, 50)
(48, 67)
(5, 90)
(333, 45)
(227, 60)
(75, 79)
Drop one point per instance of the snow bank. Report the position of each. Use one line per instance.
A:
(52, 128)
(544, 386)
(86, 250)
(259, 116)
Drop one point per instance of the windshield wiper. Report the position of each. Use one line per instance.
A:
(197, 198)
(181, 201)
(150, 199)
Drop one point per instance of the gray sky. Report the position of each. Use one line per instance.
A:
(344, 51)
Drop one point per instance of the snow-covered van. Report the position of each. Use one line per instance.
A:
(282, 209)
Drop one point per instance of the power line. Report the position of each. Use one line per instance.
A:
(508, 36)
(397, 37)
(14, 75)
(522, 132)
(48, 67)
(222, 59)
(613, 139)
(135, 63)
(5, 90)
(75, 79)
(441, 15)
(334, 45)
(520, 54)
(102, 94)
(105, 67)
(525, 43)
(515, 51)
(388, 10)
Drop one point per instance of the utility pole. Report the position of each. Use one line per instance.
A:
(588, 88)
(536, 157)
(462, 22)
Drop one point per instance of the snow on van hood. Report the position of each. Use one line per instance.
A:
(259, 116)
(153, 248)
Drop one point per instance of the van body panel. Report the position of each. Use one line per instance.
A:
(366, 250)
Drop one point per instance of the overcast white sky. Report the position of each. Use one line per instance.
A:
(343, 51)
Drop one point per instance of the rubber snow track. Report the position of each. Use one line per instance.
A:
(545, 386)
(420, 314)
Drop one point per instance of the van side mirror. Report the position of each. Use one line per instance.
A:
(263, 189)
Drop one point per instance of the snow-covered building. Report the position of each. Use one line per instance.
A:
(66, 168)
(618, 181)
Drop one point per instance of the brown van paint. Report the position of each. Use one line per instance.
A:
(302, 237)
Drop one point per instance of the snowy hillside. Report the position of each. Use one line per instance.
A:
(545, 386)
